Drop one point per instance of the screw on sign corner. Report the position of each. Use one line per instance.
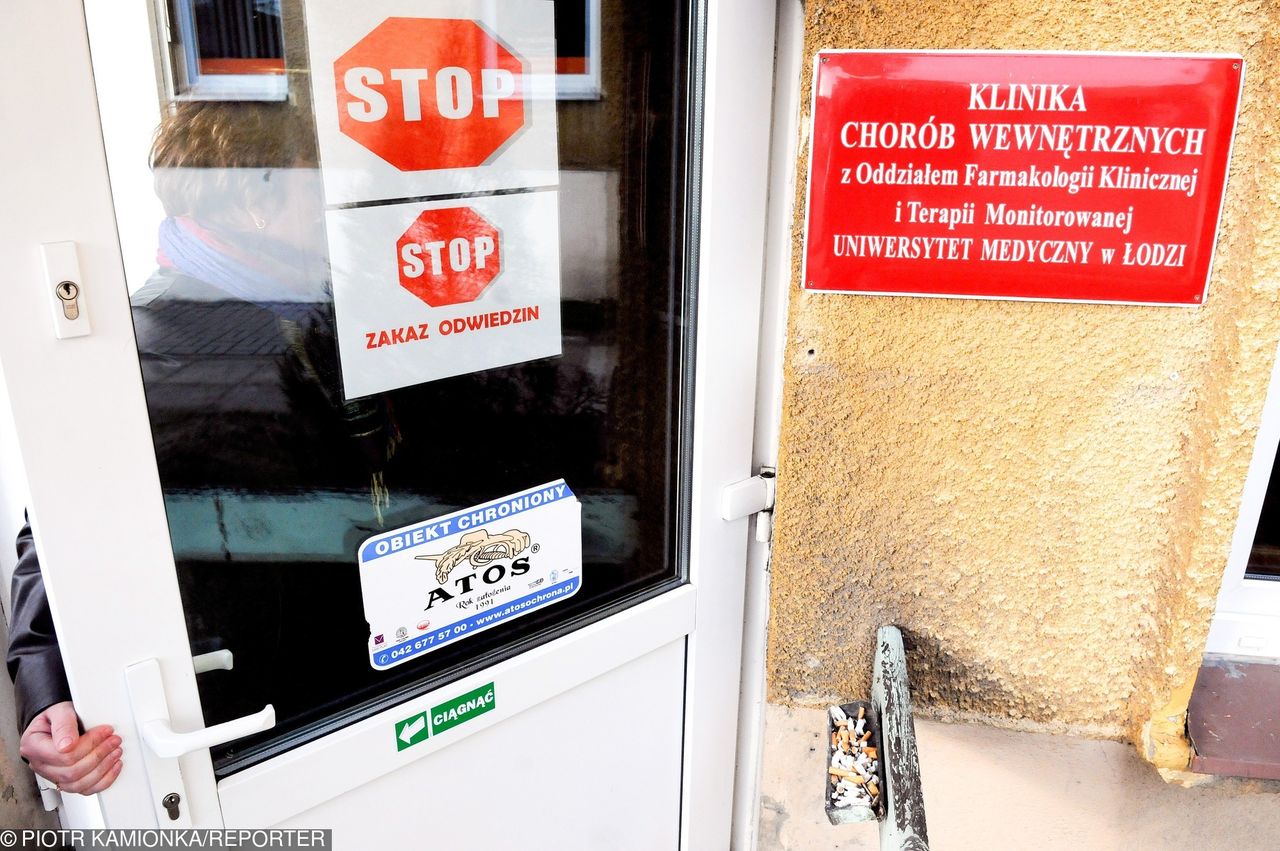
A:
(426, 93)
(449, 256)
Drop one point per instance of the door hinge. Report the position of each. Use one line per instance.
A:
(753, 496)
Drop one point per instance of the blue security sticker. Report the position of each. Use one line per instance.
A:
(434, 582)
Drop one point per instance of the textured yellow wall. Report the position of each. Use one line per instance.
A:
(1042, 495)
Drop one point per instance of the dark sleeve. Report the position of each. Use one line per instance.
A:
(35, 663)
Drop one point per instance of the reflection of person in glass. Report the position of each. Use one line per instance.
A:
(241, 284)
(241, 305)
(239, 186)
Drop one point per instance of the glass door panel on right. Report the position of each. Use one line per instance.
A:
(425, 270)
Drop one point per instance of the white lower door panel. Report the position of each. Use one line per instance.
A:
(597, 767)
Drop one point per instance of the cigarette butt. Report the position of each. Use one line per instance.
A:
(871, 752)
(862, 712)
(856, 779)
(844, 747)
(835, 739)
(865, 736)
(873, 788)
(844, 735)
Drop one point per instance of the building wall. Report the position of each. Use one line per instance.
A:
(1041, 495)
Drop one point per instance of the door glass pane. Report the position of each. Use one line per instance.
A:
(274, 473)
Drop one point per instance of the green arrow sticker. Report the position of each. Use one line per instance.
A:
(411, 730)
(462, 708)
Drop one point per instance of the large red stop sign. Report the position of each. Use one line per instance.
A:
(448, 256)
(426, 93)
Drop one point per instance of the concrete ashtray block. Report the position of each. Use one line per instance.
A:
(854, 777)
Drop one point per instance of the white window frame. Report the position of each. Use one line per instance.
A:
(189, 84)
(585, 86)
(1247, 620)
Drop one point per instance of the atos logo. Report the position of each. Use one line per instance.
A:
(481, 550)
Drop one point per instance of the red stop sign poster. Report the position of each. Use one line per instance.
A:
(426, 93)
(1039, 176)
(432, 289)
(429, 113)
(449, 256)
(421, 98)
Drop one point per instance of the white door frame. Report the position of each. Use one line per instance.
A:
(737, 115)
(94, 487)
(785, 142)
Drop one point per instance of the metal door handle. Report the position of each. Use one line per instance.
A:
(151, 712)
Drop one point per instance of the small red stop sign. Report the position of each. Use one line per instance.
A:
(425, 93)
(448, 256)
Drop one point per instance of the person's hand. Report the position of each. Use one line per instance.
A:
(86, 764)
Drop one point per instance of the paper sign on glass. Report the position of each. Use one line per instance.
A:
(434, 289)
(424, 109)
(417, 98)
(439, 581)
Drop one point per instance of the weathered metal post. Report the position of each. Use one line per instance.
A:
(902, 828)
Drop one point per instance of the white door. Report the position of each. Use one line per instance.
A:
(200, 482)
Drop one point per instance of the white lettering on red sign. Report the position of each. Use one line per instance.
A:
(454, 92)
(462, 252)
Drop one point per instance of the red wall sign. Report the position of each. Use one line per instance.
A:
(1075, 177)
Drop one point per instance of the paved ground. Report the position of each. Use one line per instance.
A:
(993, 789)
